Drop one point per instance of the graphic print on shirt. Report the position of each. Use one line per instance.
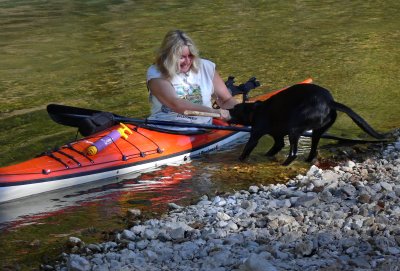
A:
(190, 92)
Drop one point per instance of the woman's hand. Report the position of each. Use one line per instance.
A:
(224, 114)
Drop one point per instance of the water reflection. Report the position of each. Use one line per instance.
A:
(149, 190)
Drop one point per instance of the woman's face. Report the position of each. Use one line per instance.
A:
(186, 60)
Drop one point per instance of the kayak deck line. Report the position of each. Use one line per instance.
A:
(142, 154)
(69, 156)
(58, 159)
(69, 146)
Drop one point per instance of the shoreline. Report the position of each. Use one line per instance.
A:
(345, 218)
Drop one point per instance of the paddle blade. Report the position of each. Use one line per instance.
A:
(87, 121)
(69, 115)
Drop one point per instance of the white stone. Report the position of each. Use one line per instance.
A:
(350, 164)
(314, 171)
(386, 186)
(254, 189)
(223, 216)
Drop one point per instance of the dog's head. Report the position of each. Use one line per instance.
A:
(243, 113)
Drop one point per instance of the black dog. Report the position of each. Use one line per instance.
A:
(291, 112)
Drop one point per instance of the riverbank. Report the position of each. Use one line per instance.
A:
(345, 218)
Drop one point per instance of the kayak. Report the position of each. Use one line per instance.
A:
(143, 148)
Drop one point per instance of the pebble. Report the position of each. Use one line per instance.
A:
(345, 218)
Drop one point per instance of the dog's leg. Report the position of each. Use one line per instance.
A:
(294, 141)
(250, 145)
(316, 136)
(279, 143)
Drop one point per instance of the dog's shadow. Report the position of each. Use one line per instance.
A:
(277, 160)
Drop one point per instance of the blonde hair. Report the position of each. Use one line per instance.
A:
(168, 55)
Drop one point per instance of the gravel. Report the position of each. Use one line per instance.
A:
(345, 218)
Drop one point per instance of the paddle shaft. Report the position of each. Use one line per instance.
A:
(170, 123)
(62, 115)
(216, 127)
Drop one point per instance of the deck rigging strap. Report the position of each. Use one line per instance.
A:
(69, 156)
(51, 155)
(69, 146)
(136, 129)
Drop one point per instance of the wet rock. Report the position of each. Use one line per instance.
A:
(174, 206)
(134, 214)
(94, 248)
(258, 263)
(128, 235)
(78, 263)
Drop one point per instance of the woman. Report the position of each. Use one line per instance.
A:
(180, 80)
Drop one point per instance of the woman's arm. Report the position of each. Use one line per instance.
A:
(165, 93)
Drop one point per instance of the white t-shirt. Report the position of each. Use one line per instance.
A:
(195, 87)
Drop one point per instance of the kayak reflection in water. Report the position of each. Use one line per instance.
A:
(180, 80)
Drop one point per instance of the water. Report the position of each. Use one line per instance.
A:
(155, 188)
(94, 54)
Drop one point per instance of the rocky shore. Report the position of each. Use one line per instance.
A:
(345, 218)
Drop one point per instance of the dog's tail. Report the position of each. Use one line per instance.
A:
(357, 119)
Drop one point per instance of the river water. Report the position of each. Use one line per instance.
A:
(94, 54)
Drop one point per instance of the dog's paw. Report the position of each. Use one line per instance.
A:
(312, 158)
(242, 158)
(272, 158)
(289, 160)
